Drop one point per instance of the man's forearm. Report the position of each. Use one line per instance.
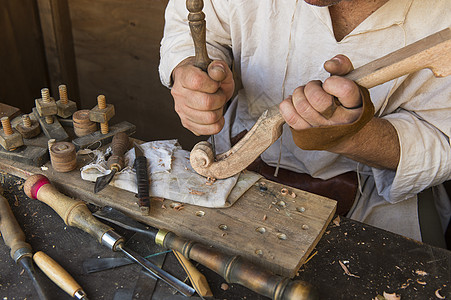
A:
(375, 145)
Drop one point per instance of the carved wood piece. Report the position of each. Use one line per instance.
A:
(433, 52)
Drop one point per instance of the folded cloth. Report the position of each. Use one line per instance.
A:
(171, 176)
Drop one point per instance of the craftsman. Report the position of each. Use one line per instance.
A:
(281, 50)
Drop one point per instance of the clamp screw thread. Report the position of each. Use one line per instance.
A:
(63, 94)
(26, 121)
(45, 94)
(7, 129)
(101, 101)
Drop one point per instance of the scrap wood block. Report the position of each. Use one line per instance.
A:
(29, 155)
(52, 131)
(97, 139)
(8, 111)
(266, 226)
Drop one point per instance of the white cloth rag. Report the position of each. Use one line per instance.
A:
(172, 177)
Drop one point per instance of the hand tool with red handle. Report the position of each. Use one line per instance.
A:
(75, 213)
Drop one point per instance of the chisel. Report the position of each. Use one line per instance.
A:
(14, 238)
(115, 216)
(75, 213)
(115, 163)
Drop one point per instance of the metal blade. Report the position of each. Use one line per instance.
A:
(138, 150)
(159, 273)
(27, 264)
(117, 217)
(103, 181)
(92, 265)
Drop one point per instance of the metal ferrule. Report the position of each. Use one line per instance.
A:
(20, 253)
(81, 295)
(161, 235)
(111, 239)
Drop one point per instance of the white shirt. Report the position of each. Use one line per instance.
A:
(278, 45)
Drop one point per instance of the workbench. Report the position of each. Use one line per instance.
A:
(378, 261)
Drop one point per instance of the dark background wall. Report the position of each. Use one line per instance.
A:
(108, 47)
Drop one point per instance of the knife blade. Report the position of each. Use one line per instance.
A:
(142, 178)
(115, 163)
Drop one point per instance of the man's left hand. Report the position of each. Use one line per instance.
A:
(305, 108)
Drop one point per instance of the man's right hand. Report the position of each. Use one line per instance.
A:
(200, 97)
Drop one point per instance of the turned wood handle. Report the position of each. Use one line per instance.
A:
(196, 278)
(74, 212)
(11, 232)
(197, 26)
(119, 146)
(56, 273)
(235, 269)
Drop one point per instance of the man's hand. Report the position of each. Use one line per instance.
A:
(200, 97)
(305, 108)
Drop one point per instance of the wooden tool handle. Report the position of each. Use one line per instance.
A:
(56, 273)
(73, 212)
(119, 146)
(235, 269)
(11, 232)
(196, 278)
(197, 26)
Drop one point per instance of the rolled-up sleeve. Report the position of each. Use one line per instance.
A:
(423, 125)
(177, 43)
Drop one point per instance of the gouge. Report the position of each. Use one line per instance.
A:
(58, 275)
(75, 213)
(115, 163)
(115, 216)
(14, 238)
(234, 269)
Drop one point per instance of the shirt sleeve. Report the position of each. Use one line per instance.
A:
(423, 124)
(177, 43)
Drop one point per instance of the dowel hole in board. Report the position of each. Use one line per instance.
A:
(260, 230)
(281, 236)
(223, 227)
(200, 213)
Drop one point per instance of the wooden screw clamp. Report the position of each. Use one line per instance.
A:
(65, 106)
(102, 113)
(28, 128)
(46, 106)
(10, 139)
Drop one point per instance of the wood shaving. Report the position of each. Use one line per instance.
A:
(405, 285)
(34, 214)
(194, 192)
(393, 296)
(438, 295)
(421, 282)
(293, 195)
(347, 270)
(178, 206)
(161, 199)
(16, 203)
(224, 286)
(265, 217)
(421, 273)
(336, 221)
(163, 206)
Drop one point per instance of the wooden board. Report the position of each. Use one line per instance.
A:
(282, 256)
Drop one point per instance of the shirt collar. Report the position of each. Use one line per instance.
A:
(391, 13)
